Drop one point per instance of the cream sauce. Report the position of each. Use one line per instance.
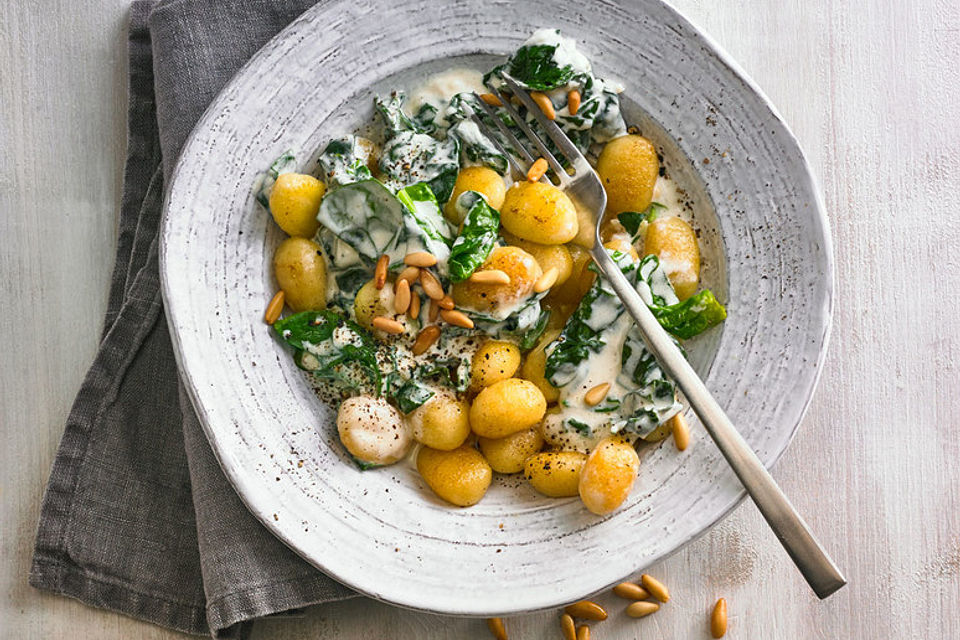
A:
(437, 89)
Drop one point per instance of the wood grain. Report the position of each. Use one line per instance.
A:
(872, 91)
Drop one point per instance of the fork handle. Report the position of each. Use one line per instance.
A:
(813, 562)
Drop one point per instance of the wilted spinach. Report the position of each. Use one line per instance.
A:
(535, 68)
(477, 238)
(344, 161)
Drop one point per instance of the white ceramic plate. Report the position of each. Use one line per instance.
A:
(382, 532)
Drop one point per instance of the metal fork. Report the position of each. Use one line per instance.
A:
(584, 186)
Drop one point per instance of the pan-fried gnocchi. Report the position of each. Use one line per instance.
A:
(447, 305)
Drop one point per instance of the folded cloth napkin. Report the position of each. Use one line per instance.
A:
(137, 516)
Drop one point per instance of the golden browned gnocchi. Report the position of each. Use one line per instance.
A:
(507, 455)
(581, 277)
(460, 477)
(674, 242)
(372, 430)
(523, 271)
(506, 407)
(608, 475)
(441, 422)
(369, 303)
(301, 272)
(539, 212)
(484, 181)
(548, 256)
(294, 202)
(555, 473)
(534, 365)
(494, 361)
(628, 168)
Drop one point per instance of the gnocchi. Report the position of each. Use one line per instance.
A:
(484, 181)
(548, 256)
(497, 299)
(372, 430)
(508, 455)
(494, 361)
(460, 477)
(608, 475)
(441, 422)
(294, 202)
(674, 242)
(539, 212)
(506, 407)
(628, 168)
(555, 473)
(301, 272)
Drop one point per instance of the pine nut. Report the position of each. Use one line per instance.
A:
(434, 311)
(387, 325)
(425, 339)
(410, 274)
(496, 628)
(718, 619)
(537, 169)
(420, 259)
(490, 276)
(446, 302)
(655, 587)
(567, 627)
(587, 610)
(491, 99)
(431, 286)
(595, 396)
(681, 432)
(274, 308)
(544, 103)
(401, 297)
(380, 273)
(456, 318)
(583, 632)
(573, 101)
(641, 609)
(414, 311)
(631, 591)
(547, 280)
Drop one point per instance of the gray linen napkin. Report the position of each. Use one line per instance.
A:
(137, 516)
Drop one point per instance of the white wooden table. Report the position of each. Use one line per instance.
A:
(872, 89)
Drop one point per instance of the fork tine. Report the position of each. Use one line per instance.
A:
(535, 139)
(556, 134)
(506, 133)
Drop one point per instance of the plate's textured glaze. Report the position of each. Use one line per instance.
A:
(383, 532)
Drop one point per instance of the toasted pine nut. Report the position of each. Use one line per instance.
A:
(431, 286)
(410, 274)
(567, 627)
(414, 311)
(655, 587)
(681, 432)
(631, 591)
(272, 314)
(641, 608)
(401, 297)
(547, 280)
(490, 276)
(587, 610)
(380, 273)
(544, 103)
(583, 632)
(718, 619)
(425, 339)
(595, 396)
(420, 259)
(537, 169)
(446, 302)
(434, 311)
(491, 99)
(573, 101)
(387, 325)
(496, 628)
(456, 318)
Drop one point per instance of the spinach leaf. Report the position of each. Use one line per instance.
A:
(344, 161)
(411, 395)
(653, 397)
(286, 163)
(631, 220)
(477, 238)
(452, 371)
(478, 148)
(425, 228)
(580, 427)
(691, 317)
(410, 157)
(396, 120)
(529, 337)
(534, 67)
(333, 348)
(365, 215)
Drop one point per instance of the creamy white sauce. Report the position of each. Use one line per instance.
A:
(437, 90)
